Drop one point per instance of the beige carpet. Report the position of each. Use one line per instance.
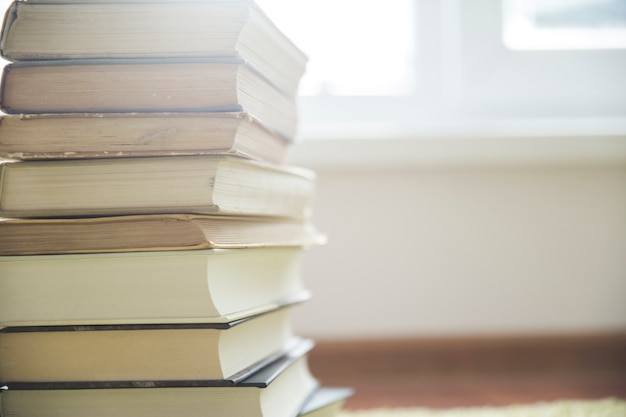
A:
(601, 408)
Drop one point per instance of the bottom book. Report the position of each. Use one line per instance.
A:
(280, 389)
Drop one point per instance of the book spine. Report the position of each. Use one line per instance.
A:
(3, 84)
(9, 18)
(2, 176)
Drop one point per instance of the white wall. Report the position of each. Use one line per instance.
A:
(466, 248)
(489, 199)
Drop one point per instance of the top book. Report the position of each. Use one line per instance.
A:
(86, 29)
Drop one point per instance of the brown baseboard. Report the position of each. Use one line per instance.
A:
(471, 355)
(474, 371)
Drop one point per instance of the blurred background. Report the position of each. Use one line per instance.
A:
(471, 161)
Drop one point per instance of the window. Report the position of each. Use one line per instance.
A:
(565, 24)
(467, 70)
(341, 37)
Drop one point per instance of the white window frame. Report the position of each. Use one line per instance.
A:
(468, 83)
(521, 32)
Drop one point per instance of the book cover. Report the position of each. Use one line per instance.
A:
(279, 389)
(153, 352)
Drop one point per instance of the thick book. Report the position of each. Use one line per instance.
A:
(152, 232)
(185, 184)
(53, 29)
(168, 352)
(147, 85)
(115, 135)
(202, 286)
(279, 389)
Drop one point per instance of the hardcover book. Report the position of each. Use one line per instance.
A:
(167, 352)
(279, 389)
(199, 286)
(117, 135)
(146, 85)
(152, 232)
(185, 184)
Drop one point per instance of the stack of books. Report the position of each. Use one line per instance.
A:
(151, 233)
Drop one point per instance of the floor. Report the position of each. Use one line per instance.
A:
(466, 373)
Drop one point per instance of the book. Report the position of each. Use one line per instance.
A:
(46, 30)
(183, 184)
(326, 402)
(115, 135)
(277, 390)
(167, 352)
(201, 286)
(147, 85)
(152, 232)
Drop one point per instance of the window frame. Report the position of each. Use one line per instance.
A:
(468, 83)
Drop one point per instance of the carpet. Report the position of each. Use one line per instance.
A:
(609, 407)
